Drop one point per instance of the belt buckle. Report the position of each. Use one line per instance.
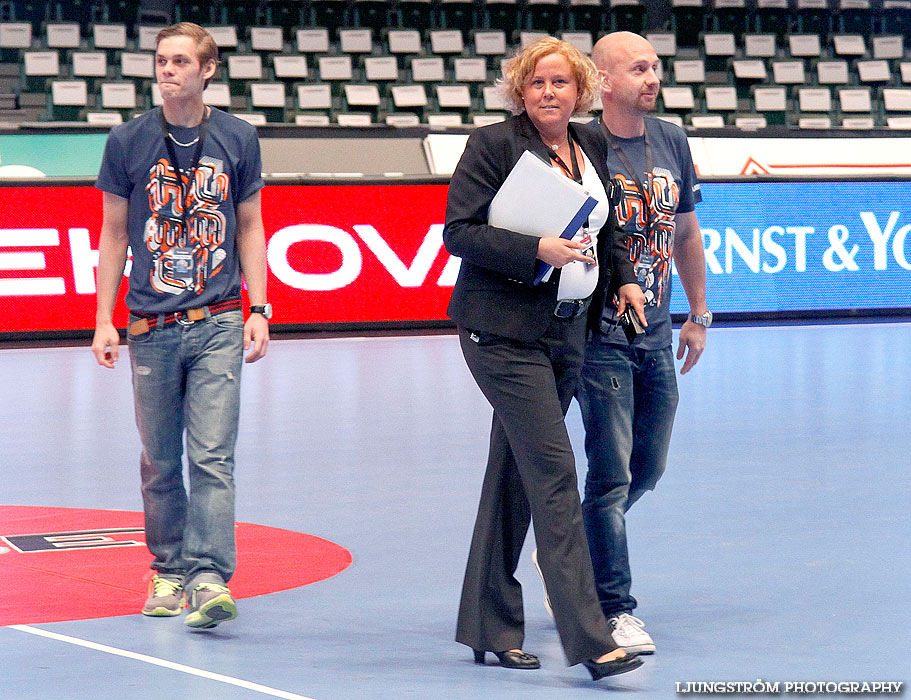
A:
(183, 320)
(573, 307)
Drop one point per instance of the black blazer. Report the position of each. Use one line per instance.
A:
(494, 291)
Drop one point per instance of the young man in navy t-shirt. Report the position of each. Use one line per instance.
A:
(182, 189)
(628, 390)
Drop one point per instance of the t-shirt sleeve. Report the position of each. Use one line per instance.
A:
(112, 177)
(250, 178)
(690, 194)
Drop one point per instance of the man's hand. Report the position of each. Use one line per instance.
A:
(632, 295)
(256, 333)
(105, 344)
(557, 252)
(692, 341)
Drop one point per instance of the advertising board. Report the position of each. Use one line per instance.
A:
(373, 254)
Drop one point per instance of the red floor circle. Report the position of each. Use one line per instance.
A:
(61, 564)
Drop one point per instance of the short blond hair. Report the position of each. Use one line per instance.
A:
(518, 69)
(206, 48)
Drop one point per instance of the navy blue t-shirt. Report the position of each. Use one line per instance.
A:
(675, 189)
(175, 266)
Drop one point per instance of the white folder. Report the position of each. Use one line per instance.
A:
(536, 200)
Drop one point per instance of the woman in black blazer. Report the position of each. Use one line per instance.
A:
(523, 343)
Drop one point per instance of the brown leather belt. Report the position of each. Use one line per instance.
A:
(147, 322)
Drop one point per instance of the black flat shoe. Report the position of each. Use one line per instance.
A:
(510, 659)
(612, 667)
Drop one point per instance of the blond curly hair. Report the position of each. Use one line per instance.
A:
(518, 70)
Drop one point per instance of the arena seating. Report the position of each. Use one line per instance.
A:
(725, 63)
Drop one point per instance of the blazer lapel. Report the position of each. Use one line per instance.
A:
(528, 137)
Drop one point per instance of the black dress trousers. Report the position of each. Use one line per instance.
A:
(531, 476)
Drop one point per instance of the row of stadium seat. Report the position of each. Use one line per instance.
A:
(266, 38)
(686, 18)
(17, 37)
(462, 14)
(724, 75)
(281, 103)
(40, 66)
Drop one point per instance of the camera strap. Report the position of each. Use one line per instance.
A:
(645, 194)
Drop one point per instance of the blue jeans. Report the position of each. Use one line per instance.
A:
(187, 378)
(628, 398)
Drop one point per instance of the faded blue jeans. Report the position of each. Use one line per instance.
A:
(628, 398)
(187, 378)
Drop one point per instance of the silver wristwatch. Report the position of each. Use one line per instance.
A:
(704, 320)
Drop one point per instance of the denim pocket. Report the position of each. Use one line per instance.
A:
(229, 319)
(142, 337)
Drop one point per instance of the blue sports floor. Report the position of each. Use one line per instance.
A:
(776, 547)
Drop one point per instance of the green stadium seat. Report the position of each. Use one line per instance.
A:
(813, 17)
(355, 40)
(873, 72)
(688, 21)
(381, 69)
(312, 40)
(855, 17)
(849, 45)
(289, 68)
(269, 98)
(335, 68)
(832, 72)
(731, 16)
(772, 17)
(267, 39)
(68, 99)
(706, 121)
(91, 66)
(626, 15)
(39, 68)
(463, 15)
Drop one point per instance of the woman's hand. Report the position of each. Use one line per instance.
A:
(557, 252)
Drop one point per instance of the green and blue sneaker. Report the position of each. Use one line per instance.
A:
(209, 605)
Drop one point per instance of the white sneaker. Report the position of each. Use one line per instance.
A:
(629, 633)
(534, 559)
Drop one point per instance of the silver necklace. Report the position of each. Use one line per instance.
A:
(171, 136)
(558, 146)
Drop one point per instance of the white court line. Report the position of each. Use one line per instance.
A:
(265, 690)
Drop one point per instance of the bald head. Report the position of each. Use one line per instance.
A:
(629, 70)
(617, 48)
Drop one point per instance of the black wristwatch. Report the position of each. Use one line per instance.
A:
(704, 320)
(265, 310)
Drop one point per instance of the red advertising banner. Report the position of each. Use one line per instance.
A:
(336, 254)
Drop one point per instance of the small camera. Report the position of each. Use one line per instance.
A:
(631, 325)
(614, 192)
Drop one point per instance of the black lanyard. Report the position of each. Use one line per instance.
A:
(191, 172)
(649, 166)
(575, 173)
